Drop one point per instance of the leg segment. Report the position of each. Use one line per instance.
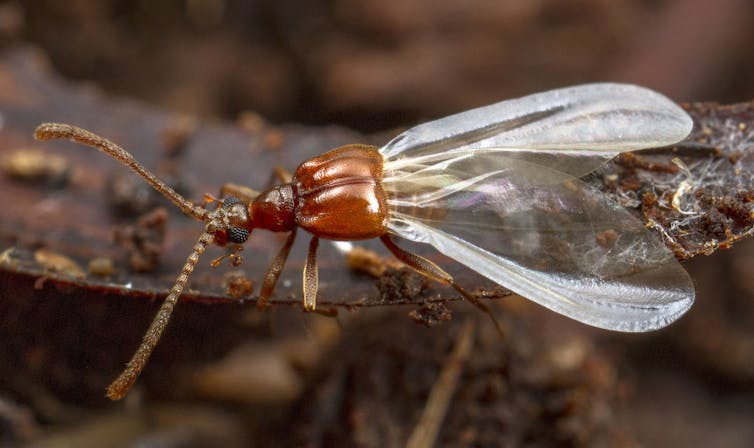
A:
(431, 270)
(311, 276)
(244, 193)
(274, 270)
(282, 174)
(279, 175)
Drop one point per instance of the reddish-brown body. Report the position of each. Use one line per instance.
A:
(337, 195)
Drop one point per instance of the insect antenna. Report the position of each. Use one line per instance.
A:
(118, 388)
(50, 131)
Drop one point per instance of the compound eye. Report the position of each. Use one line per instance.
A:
(238, 235)
(230, 201)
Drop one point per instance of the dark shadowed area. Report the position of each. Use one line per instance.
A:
(211, 91)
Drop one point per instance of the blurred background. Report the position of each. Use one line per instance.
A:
(376, 66)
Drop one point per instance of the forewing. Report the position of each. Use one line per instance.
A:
(591, 121)
(544, 235)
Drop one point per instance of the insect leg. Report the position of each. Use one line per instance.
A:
(244, 193)
(431, 270)
(274, 270)
(311, 277)
(247, 194)
(282, 174)
(278, 176)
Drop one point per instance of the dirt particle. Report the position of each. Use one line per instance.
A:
(177, 134)
(144, 240)
(648, 199)
(431, 314)
(401, 284)
(31, 165)
(128, 194)
(237, 285)
(58, 263)
(251, 122)
(101, 267)
(273, 139)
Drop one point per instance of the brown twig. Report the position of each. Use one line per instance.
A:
(425, 432)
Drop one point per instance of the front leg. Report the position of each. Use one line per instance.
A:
(431, 270)
(274, 270)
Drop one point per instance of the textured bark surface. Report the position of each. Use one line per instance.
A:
(72, 201)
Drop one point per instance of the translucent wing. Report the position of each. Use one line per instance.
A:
(541, 233)
(589, 124)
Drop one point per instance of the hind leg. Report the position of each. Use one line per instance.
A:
(431, 270)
